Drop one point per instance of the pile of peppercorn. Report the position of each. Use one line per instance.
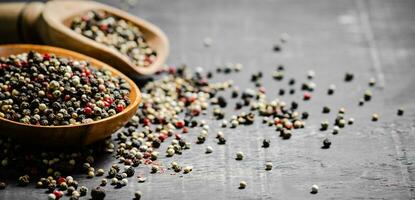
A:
(116, 33)
(44, 89)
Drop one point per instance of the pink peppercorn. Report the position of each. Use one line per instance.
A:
(119, 108)
(307, 96)
(87, 110)
(180, 124)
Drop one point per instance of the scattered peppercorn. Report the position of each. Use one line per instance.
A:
(266, 143)
(368, 95)
(314, 189)
(326, 109)
(348, 77)
(209, 149)
(400, 112)
(375, 117)
(242, 185)
(98, 193)
(239, 155)
(2, 185)
(268, 166)
(326, 143)
(372, 81)
(137, 195)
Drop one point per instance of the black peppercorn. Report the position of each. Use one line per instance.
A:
(326, 143)
(266, 143)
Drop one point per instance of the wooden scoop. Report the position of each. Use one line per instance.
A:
(49, 24)
(68, 135)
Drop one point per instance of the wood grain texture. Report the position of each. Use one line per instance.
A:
(366, 161)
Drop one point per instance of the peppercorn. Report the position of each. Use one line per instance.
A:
(2, 185)
(348, 77)
(331, 89)
(304, 115)
(368, 95)
(221, 141)
(326, 143)
(351, 121)
(286, 134)
(311, 74)
(372, 81)
(187, 169)
(104, 182)
(314, 189)
(50, 100)
(375, 117)
(281, 92)
(326, 109)
(70, 190)
(361, 102)
(137, 195)
(239, 155)
(100, 172)
(51, 196)
(83, 190)
(24, 180)
(336, 130)
(209, 149)
(242, 185)
(98, 193)
(324, 125)
(116, 33)
(266, 143)
(400, 112)
(268, 166)
(129, 171)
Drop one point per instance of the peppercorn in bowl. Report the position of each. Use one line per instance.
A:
(131, 44)
(56, 97)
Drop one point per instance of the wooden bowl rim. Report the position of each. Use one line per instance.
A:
(74, 55)
(59, 24)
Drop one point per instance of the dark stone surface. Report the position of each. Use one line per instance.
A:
(369, 160)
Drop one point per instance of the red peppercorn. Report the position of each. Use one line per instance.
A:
(172, 70)
(307, 96)
(60, 180)
(58, 194)
(146, 122)
(146, 154)
(180, 124)
(163, 137)
(119, 108)
(109, 100)
(185, 130)
(177, 136)
(87, 110)
(67, 97)
(103, 27)
(107, 104)
(195, 112)
(46, 56)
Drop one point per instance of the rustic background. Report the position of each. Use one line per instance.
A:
(369, 160)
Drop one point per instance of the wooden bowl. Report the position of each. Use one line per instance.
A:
(55, 30)
(68, 135)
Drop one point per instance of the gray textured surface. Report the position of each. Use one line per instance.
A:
(368, 160)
